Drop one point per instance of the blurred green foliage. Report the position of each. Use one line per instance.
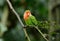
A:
(38, 8)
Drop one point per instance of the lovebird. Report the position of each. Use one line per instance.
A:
(30, 20)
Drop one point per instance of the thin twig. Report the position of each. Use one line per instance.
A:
(11, 7)
(26, 34)
(41, 33)
(36, 27)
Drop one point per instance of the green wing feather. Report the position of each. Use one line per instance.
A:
(31, 21)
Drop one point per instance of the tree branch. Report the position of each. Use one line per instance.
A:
(11, 7)
(26, 34)
(41, 33)
(36, 27)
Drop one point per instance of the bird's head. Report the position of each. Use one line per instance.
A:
(27, 13)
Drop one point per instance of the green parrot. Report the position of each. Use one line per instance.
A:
(30, 20)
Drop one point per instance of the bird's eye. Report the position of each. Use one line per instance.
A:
(27, 13)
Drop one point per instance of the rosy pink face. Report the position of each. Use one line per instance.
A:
(26, 14)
